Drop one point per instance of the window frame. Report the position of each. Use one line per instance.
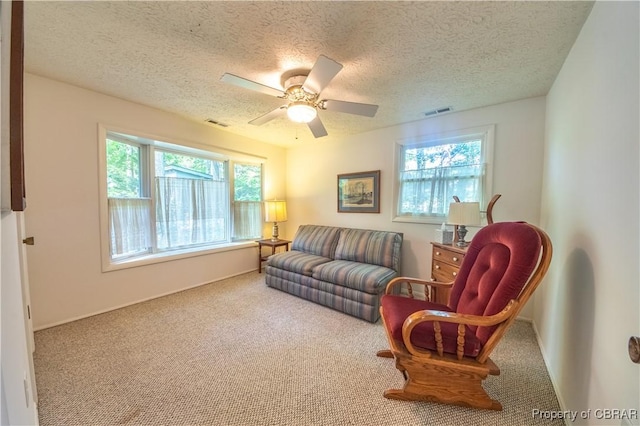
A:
(485, 133)
(148, 144)
(144, 193)
(232, 195)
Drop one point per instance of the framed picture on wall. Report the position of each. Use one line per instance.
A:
(359, 192)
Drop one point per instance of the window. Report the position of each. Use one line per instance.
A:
(247, 201)
(128, 200)
(191, 200)
(431, 170)
(162, 198)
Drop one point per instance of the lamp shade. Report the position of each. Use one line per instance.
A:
(275, 211)
(464, 213)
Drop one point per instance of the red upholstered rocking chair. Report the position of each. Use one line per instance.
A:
(443, 351)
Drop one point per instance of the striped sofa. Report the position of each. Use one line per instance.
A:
(343, 268)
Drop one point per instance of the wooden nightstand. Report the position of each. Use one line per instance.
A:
(273, 245)
(445, 265)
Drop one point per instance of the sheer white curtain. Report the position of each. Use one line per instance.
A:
(130, 226)
(429, 191)
(247, 220)
(190, 211)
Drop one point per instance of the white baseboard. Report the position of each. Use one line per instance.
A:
(42, 327)
(545, 359)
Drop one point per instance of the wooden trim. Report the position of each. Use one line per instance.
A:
(16, 79)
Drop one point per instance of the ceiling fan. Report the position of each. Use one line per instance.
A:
(302, 92)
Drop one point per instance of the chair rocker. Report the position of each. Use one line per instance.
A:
(443, 350)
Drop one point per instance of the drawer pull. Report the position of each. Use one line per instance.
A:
(437, 253)
(454, 273)
(455, 259)
(437, 266)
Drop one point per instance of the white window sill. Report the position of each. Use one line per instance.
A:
(434, 220)
(173, 255)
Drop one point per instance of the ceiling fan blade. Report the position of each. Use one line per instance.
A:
(251, 85)
(321, 74)
(368, 110)
(317, 128)
(269, 116)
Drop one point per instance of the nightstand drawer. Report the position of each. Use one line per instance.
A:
(443, 272)
(451, 257)
(445, 264)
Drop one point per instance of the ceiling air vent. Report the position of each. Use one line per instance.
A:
(438, 111)
(217, 123)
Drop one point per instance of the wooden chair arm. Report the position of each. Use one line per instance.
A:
(409, 281)
(461, 319)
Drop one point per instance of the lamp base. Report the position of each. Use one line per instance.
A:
(274, 232)
(462, 232)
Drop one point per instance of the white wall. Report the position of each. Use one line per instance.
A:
(312, 174)
(61, 150)
(590, 304)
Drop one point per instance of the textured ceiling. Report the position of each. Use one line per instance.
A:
(406, 57)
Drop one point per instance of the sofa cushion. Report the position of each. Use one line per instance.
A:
(296, 261)
(359, 276)
(366, 246)
(316, 239)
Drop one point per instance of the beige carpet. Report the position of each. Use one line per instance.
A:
(236, 352)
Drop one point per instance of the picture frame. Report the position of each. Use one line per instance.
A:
(359, 192)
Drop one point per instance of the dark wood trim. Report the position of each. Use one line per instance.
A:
(16, 136)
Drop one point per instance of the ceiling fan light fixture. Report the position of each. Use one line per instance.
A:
(301, 112)
(301, 96)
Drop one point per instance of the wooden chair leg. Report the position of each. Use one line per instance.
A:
(384, 353)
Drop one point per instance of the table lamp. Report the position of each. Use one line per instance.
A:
(463, 214)
(275, 211)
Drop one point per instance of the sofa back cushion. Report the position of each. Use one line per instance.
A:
(374, 247)
(316, 239)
